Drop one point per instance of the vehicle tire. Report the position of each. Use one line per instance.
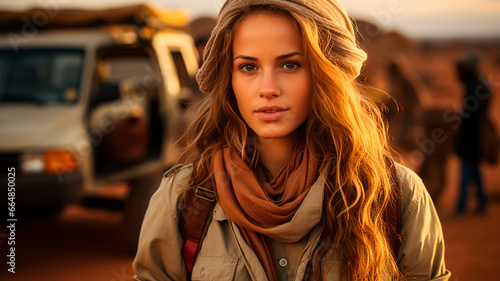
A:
(141, 190)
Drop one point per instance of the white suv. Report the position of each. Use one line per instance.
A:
(92, 104)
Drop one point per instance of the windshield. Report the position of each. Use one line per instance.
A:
(40, 75)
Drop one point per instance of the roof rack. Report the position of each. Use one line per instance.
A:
(139, 15)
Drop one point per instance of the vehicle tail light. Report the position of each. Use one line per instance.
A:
(60, 161)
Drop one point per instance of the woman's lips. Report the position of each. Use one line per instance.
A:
(270, 113)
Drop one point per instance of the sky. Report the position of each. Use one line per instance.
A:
(415, 18)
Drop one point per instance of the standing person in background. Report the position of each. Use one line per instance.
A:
(200, 29)
(295, 155)
(475, 109)
(406, 114)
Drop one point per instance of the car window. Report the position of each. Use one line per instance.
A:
(40, 75)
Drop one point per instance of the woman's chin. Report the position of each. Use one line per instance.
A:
(274, 136)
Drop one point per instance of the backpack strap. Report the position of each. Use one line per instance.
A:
(194, 219)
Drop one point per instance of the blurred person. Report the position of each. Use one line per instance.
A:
(411, 123)
(434, 151)
(294, 156)
(201, 29)
(477, 94)
(410, 100)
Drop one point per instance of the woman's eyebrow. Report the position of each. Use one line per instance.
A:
(245, 58)
(282, 57)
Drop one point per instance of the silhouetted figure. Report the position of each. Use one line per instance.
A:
(435, 150)
(476, 99)
(405, 116)
(201, 29)
(412, 124)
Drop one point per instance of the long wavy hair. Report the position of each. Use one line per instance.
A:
(344, 130)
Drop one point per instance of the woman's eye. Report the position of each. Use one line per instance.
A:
(248, 68)
(290, 65)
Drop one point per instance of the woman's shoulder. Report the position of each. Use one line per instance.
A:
(173, 184)
(178, 177)
(184, 171)
(421, 254)
(406, 175)
(413, 189)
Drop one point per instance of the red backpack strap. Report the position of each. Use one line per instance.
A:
(194, 219)
(393, 214)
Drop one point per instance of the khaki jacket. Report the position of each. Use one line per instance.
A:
(224, 255)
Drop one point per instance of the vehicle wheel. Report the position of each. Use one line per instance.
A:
(141, 190)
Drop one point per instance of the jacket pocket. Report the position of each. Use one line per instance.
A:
(214, 268)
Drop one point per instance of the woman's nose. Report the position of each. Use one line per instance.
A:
(270, 85)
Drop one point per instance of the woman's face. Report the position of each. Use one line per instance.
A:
(270, 78)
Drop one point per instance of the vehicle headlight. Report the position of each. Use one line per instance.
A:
(31, 163)
(49, 162)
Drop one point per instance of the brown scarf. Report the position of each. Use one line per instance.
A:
(259, 207)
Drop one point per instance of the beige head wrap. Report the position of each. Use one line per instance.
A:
(336, 35)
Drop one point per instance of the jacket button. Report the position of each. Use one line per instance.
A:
(283, 262)
(202, 272)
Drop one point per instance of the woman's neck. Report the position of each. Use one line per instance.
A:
(274, 154)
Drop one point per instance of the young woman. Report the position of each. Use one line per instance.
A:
(298, 157)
